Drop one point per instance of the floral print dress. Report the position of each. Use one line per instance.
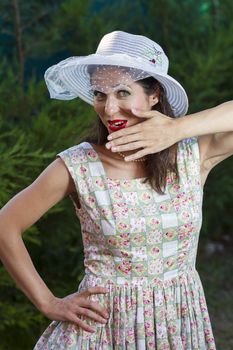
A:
(142, 246)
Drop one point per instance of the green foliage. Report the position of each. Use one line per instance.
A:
(33, 130)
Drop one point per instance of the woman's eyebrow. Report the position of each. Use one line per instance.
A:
(120, 85)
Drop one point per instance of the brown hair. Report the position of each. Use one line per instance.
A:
(157, 165)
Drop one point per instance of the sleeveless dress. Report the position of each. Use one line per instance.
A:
(141, 246)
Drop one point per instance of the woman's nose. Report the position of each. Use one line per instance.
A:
(111, 105)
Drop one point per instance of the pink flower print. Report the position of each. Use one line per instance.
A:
(151, 344)
(170, 234)
(155, 251)
(83, 186)
(125, 267)
(124, 240)
(203, 308)
(117, 196)
(171, 178)
(171, 312)
(91, 201)
(176, 342)
(116, 307)
(182, 257)
(153, 222)
(145, 197)
(202, 300)
(164, 207)
(181, 200)
(155, 267)
(94, 267)
(185, 244)
(150, 210)
(158, 298)
(128, 184)
(149, 329)
(113, 242)
(138, 239)
(184, 339)
(131, 198)
(99, 183)
(155, 237)
(148, 313)
(66, 338)
(78, 156)
(92, 155)
(112, 184)
(130, 336)
(122, 226)
(161, 330)
(176, 187)
(147, 296)
(120, 210)
(137, 225)
(94, 214)
(184, 311)
(170, 262)
(139, 253)
(172, 329)
(161, 313)
(125, 254)
(185, 230)
(83, 169)
(181, 236)
(135, 211)
(184, 216)
(106, 212)
(139, 268)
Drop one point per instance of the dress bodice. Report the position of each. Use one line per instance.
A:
(132, 234)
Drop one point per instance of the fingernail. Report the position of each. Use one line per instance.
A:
(109, 137)
(108, 145)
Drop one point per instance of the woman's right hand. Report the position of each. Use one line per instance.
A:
(73, 306)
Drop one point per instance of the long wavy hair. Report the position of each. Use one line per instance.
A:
(157, 165)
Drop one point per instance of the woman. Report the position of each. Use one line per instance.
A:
(140, 219)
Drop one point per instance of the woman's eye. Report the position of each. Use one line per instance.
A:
(123, 93)
(98, 94)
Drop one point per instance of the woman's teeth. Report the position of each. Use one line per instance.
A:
(118, 123)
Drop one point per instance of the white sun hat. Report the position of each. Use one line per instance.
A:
(70, 78)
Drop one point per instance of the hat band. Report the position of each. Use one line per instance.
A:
(124, 60)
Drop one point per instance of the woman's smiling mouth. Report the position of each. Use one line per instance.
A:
(117, 124)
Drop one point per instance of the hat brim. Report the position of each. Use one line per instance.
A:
(69, 79)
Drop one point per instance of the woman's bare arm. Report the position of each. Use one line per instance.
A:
(19, 214)
(213, 126)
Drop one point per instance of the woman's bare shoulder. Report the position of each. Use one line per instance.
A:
(52, 185)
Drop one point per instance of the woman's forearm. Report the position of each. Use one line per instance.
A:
(210, 121)
(17, 261)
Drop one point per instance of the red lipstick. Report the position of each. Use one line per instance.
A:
(117, 124)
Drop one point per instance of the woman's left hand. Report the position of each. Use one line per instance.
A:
(153, 135)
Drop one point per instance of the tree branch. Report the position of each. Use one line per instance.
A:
(18, 35)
